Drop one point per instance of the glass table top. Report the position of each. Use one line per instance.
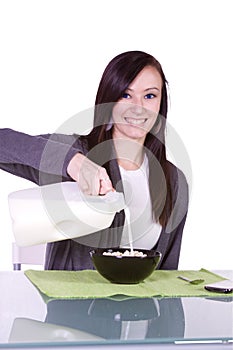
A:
(27, 320)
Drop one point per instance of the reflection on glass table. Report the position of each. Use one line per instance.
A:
(104, 319)
(96, 320)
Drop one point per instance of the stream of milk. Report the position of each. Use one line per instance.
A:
(127, 218)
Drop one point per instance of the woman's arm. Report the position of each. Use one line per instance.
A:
(51, 158)
(41, 159)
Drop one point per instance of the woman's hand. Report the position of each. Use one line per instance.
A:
(92, 178)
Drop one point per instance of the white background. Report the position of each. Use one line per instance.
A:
(53, 54)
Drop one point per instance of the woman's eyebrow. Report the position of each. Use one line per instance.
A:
(152, 88)
(147, 89)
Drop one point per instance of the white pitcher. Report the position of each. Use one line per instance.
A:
(60, 211)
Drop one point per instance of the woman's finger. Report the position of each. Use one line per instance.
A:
(105, 186)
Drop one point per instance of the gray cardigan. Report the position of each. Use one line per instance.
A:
(43, 159)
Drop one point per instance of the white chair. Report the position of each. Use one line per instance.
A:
(33, 255)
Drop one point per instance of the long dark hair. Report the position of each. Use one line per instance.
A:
(116, 78)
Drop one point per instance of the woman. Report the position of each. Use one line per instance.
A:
(125, 151)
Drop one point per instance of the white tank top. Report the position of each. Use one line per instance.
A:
(145, 231)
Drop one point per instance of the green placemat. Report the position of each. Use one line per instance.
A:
(90, 284)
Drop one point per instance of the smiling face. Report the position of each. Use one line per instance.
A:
(136, 112)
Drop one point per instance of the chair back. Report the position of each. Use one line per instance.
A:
(32, 255)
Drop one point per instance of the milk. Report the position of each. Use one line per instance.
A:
(127, 218)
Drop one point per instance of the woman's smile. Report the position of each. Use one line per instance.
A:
(135, 121)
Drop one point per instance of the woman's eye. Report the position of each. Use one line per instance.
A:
(125, 95)
(150, 96)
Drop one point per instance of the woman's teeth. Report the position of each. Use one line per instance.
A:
(135, 121)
